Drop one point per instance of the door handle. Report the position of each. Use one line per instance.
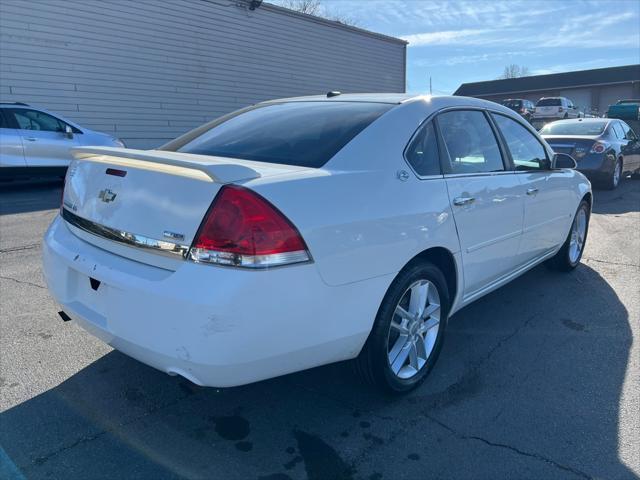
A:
(30, 139)
(532, 191)
(459, 201)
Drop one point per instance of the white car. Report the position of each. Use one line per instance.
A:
(555, 108)
(300, 232)
(34, 141)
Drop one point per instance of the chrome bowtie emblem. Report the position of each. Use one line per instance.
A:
(107, 195)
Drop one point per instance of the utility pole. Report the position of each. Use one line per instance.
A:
(430, 90)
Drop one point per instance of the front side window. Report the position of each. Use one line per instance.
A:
(34, 120)
(305, 134)
(422, 153)
(526, 151)
(471, 146)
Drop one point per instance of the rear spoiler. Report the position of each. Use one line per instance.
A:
(212, 169)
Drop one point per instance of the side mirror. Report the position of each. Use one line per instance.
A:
(68, 131)
(562, 160)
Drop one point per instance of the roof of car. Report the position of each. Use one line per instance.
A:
(350, 97)
(392, 98)
(584, 120)
(431, 102)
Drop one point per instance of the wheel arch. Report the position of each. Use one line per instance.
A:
(445, 260)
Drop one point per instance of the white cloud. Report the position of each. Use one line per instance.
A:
(447, 37)
(568, 67)
(469, 59)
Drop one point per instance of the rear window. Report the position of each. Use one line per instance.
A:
(306, 134)
(512, 103)
(573, 128)
(549, 102)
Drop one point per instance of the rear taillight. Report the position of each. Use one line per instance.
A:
(242, 229)
(598, 147)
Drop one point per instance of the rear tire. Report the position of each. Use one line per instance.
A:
(613, 181)
(408, 331)
(568, 257)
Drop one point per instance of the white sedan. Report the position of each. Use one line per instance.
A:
(300, 232)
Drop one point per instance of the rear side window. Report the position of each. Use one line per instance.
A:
(617, 128)
(3, 122)
(628, 133)
(526, 151)
(306, 134)
(549, 102)
(470, 143)
(422, 153)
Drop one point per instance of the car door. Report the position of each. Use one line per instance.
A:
(631, 147)
(11, 153)
(547, 194)
(485, 197)
(44, 139)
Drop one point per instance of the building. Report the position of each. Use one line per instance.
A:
(149, 71)
(592, 91)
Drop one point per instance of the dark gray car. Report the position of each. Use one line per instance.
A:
(604, 148)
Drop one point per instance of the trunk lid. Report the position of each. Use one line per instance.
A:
(140, 204)
(570, 145)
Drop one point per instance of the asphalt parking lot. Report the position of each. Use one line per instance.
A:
(540, 380)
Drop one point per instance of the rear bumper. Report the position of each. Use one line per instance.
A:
(596, 167)
(215, 326)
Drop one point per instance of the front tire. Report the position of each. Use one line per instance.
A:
(568, 257)
(408, 331)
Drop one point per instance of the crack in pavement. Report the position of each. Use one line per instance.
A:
(536, 456)
(22, 247)
(22, 282)
(621, 264)
(502, 341)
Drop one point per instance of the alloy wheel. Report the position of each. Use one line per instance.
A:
(617, 174)
(414, 329)
(578, 234)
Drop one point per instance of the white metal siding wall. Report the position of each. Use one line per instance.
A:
(149, 70)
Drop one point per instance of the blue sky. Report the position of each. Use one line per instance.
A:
(465, 41)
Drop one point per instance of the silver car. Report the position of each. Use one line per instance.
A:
(36, 142)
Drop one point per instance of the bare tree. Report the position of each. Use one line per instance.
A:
(514, 71)
(315, 7)
(310, 7)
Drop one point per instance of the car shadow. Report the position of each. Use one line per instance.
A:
(30, 195)
(528, 385)
(624, 199)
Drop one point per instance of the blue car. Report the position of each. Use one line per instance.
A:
(605, 149)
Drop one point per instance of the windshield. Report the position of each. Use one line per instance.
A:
(512, 103)
(549, 102)
(574, 128)
(306, 134)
